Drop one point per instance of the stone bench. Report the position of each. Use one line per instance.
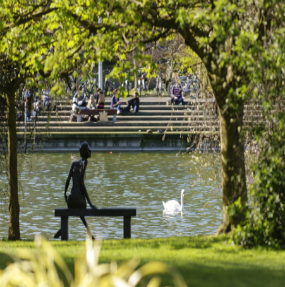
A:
(126, 212)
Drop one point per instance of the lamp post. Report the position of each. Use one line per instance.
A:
(100, 67)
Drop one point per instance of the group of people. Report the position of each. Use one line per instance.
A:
(134, 103)
(37, 103)
(97, 101)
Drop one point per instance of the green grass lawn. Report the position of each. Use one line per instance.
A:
(202, 261)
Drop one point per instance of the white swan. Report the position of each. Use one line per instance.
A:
(173, 205)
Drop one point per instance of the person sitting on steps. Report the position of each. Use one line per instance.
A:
(91, 103)
(78, 195)
(101, 100)
(134, 103)
(176, 94)
(81, 105)
(91, 106)
(115, 103)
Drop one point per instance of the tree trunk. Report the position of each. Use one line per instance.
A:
(233, 165)
(14, 208)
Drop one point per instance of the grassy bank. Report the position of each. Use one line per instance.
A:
(202, 261)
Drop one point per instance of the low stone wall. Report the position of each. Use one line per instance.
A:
(110, 142)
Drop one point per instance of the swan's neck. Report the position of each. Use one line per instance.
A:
(181, 201)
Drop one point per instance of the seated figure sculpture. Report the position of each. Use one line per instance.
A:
(78, 195)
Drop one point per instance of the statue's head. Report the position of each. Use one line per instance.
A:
(85, 151)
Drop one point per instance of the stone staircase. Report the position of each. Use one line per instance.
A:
(173, 123)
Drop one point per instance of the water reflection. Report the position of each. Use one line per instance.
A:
(142, 180)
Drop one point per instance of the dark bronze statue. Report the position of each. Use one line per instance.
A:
(78, 195)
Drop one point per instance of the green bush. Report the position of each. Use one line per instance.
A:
(265, 216)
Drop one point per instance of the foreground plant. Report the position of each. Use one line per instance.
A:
(39, 268)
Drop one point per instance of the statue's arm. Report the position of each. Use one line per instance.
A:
(67, 182)
(88, 199)
(85, 190)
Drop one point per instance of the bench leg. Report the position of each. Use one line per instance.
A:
(64, 228)
(127, 226)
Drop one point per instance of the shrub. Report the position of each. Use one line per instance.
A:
(265, 217)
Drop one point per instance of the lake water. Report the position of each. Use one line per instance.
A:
(141, 180)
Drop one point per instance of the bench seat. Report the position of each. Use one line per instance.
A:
(126, 212)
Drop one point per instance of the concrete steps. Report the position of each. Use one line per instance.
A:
(120, 129)
(181, 126)
(52, 124)
(136, 117)
(155, 114)
(148, 117)
(150, 112)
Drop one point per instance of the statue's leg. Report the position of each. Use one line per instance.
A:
(58, 234)
(87, 227)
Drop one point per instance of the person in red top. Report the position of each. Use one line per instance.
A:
(176, 94)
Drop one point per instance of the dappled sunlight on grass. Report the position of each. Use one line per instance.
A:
(202, 260)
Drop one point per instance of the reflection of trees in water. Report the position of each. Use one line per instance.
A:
(119, 179)
(204, 160)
